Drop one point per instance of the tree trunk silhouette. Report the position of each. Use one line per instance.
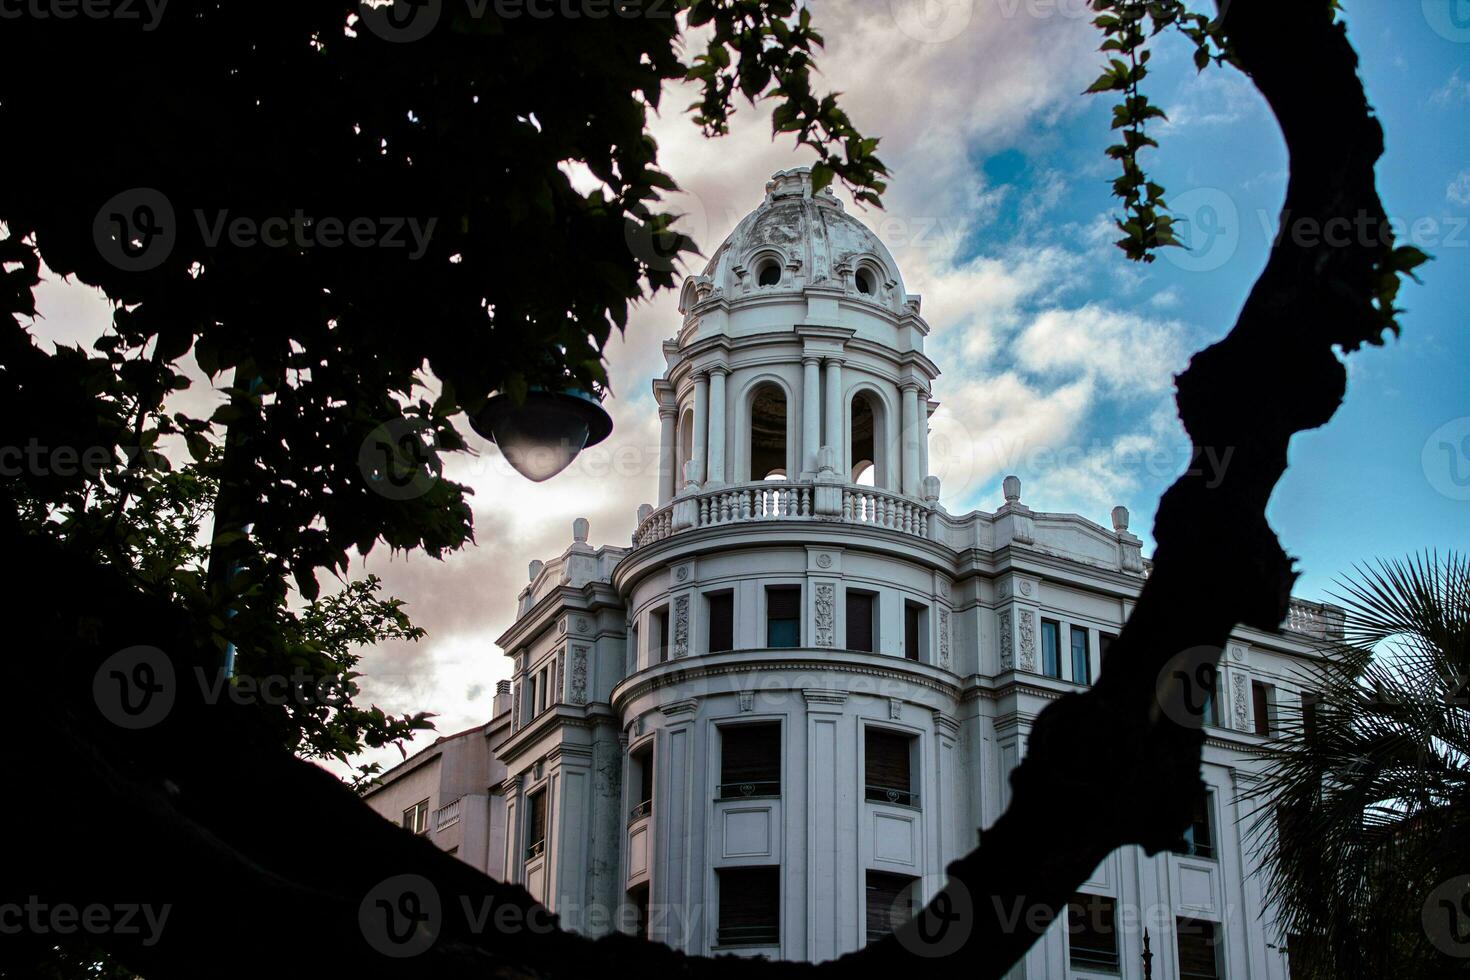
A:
(270, 866)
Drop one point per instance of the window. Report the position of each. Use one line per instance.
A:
(658, 635)
(750, 761)
(888, 767)
(860, 610)
(1092, 933)
(915, 632)
(783, 616)
(640, 778)
(536, 825)
(416, 817)
(1261, 701)
(1051, 652)
(633, 649)
(1199, 956)
(1081, 655)
(864, 280)
(1104, 644)
(767, 433)
(890, 902)
(638, 898)
(1309, 714)
(720, 608)
(1199, 839)
(865, 442)
(769, 274)
(750, 906)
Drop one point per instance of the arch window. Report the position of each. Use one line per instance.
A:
(686, 444)
(866, 282)
(768, 273)
(768, 434)
(867, 440)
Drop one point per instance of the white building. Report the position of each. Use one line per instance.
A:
(777, 715)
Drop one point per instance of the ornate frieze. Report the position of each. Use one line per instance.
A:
(578, 692)
(1007, 648)
(1242, 702)
(681, 626)
(1026, 626)
(944, 638)
(826, 606)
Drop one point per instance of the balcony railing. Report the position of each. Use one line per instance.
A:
(448, 814)
(786, 501)
(1314, 619)
(535, 849)
(762, 935)
(749, 790)
(890, 794)
(640, 811)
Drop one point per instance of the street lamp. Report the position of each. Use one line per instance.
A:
(541, 436)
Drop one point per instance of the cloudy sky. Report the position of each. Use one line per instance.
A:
(1057, 353)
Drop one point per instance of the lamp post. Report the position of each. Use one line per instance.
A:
(543, 434)
(1148, 958)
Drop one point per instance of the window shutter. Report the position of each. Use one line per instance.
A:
(1261, 701)
(750, 754)
(750, 906)
(911, 621)
(887, 760)
(1197, 939)
(890, 903)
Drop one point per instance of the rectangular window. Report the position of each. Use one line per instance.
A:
(750, 906)
(1211, 715)
(1081, 655)
(1104, 644)
(658, 635)
(416, 817)
(633, 650)
(750, 761)
(1092, 932)
(1309, 714)
(1261, 701)
(888, 767)
(1199, 839)
(1199, 952)
(783, 615)
(915, 631)
(1051, 649)
(536, 825)
(860, 609)
(720, 607)
(641, 780)
(638, 898)
(890, 903)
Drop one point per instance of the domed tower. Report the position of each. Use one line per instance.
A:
(769, 723)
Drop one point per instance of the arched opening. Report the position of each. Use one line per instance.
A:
(686, 444)
(768, 273)
(768, 433)
(867, 440)
(865, 283)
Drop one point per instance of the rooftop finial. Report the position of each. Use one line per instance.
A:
(580, 527)
(1011, 487)
(1120, 519)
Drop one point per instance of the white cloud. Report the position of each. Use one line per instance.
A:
(1459, 189)
(1455, 89)
(1126, 353)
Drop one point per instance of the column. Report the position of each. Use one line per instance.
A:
(923, 438)
(668, 477)
(716, 468)
(811, 415)
(834, 435)
(701, 425)
(910, 430)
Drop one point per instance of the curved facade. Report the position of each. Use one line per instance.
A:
(769, 723)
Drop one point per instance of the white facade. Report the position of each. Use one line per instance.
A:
(798, 625)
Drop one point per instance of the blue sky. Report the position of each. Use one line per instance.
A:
(1057, 354)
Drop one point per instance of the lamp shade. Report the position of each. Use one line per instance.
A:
(541, 436)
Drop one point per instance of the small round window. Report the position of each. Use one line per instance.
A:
(769, 274)
(865, 282)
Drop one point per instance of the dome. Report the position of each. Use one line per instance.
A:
(798, 239)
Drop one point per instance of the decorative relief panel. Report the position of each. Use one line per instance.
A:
(1007, 650)
(578, 692)
(1242, 702)
(826, 606)
(561, 676)
(747, 700)
(681, 626)
(944, 638)
(515, 708)
(1026, 623)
